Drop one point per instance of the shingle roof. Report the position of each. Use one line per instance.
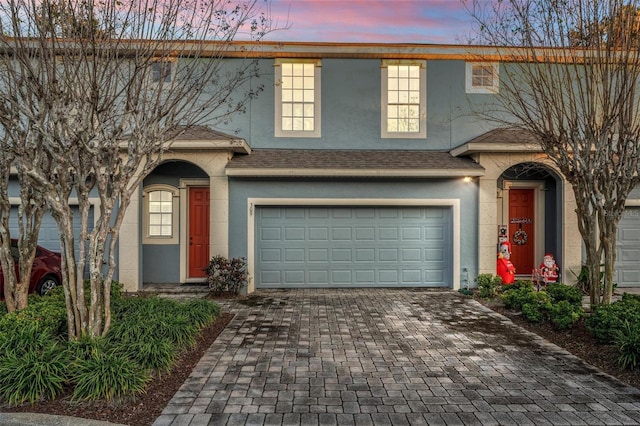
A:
(202, 133)
(500, 140)
(300, 162)
(506, 135)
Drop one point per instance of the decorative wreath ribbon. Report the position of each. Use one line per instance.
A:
(520, 237)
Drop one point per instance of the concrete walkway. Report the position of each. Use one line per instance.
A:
(381, 357)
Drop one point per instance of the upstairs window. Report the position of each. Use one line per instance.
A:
(162, 71)
(404, 99)
(297, 94)
(482, 77)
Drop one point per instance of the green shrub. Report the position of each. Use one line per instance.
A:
(201, 312)
(155, 354)
(19, 337)
(564, 314)
(627, 340)
(108, 376)
(178, 330)
(606, 320)
(48, 313)
(519, 295)
(33, 375)
(224, 275)
(559, 292)
(488, 285)
(534, 312)
(86, 348)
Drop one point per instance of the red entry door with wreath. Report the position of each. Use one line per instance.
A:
(521, 229)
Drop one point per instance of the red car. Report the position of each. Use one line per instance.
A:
(45, 273)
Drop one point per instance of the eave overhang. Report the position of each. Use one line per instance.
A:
(283, 163)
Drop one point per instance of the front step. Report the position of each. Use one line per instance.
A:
(175, 290)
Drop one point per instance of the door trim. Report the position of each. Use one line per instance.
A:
(184, 227)
(539, 218)
(454, 203)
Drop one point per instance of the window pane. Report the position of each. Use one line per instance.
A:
(155, 219)
(308, 83)
(308, 96)
(298, 69)
(309, 69)
(287, 123)
(298, 124)
(287, 95)
(287, 69)
(414, 125)
(392, 125)
(297, 110)
(308, 124)
(308, 110)
(287, 109)
(392, 71)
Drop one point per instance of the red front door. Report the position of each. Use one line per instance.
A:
(521, 229)
(198, 231)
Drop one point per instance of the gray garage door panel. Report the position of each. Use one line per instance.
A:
(353, 247)
(48, 236)
(628, 254)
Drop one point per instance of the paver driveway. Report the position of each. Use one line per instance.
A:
(379, 356)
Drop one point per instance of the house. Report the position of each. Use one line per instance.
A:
(360, 165)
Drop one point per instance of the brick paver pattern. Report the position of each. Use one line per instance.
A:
(389, 357)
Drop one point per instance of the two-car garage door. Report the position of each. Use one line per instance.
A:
(345, 246)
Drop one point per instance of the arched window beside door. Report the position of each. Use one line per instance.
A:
(160, 214)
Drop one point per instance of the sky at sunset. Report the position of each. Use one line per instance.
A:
(378, 21)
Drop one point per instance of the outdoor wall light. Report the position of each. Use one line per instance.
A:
(467, 179)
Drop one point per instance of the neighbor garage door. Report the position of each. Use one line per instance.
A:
(628, 255)
(353, 247)
(48, 237)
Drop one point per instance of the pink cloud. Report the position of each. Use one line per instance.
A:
(408, 21)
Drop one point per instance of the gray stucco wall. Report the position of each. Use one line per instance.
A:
(240, 190)
(350, 100)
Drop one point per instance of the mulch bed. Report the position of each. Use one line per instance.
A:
(577, 341)
(146, 408)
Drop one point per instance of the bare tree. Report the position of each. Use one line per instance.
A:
(104, 88)
(570, 76)
(30, 212)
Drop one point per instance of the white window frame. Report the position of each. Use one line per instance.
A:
(471, 88)
(384, 79)
(279, 131)
(159, 239)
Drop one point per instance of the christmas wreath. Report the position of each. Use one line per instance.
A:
(520, 237)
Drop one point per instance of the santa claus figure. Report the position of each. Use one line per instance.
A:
(548, 269)
(504, 267)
